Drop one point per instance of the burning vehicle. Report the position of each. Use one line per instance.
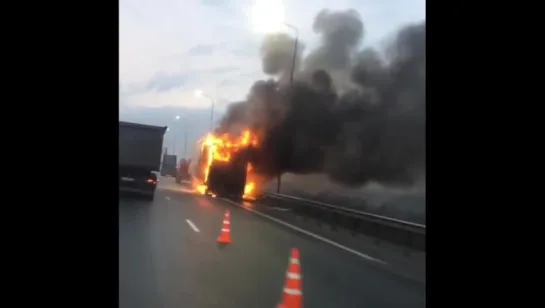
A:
(224, 167)
(228, 178)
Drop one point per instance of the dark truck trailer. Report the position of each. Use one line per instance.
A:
(228, 179)
(169, 165)
(140, 149)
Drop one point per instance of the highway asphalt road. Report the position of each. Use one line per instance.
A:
(165, 262)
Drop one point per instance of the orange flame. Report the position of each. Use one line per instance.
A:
(221, 148)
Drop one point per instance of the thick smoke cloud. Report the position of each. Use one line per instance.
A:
(277, 54)
(341, 33)
(355, 115)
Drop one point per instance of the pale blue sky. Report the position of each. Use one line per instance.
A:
(169, 48)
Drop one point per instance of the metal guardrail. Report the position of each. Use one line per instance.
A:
(406, 233)
(386, 220)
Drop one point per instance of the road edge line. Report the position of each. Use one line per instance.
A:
(316, 236)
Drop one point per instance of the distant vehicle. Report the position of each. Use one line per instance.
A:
(140, 148)
(169, 165)
(183, 171)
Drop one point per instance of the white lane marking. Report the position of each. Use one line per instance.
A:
(323, 239)
(168, 198)
(192, 225)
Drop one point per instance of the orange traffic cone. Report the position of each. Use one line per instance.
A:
(225, 235)
(293, 293)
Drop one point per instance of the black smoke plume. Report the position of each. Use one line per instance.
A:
(355, 115)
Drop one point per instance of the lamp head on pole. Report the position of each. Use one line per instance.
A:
(198, 93)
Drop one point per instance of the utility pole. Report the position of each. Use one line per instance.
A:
(294, 58)
(185, 143)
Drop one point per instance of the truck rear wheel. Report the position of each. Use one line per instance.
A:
(149, 197)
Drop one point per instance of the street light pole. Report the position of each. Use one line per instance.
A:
(294, 58)
(166, 141)
(185, 138)
(200, 93)
(292, 71)
(174, 137)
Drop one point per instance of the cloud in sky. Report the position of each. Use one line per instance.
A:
(170, 48)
